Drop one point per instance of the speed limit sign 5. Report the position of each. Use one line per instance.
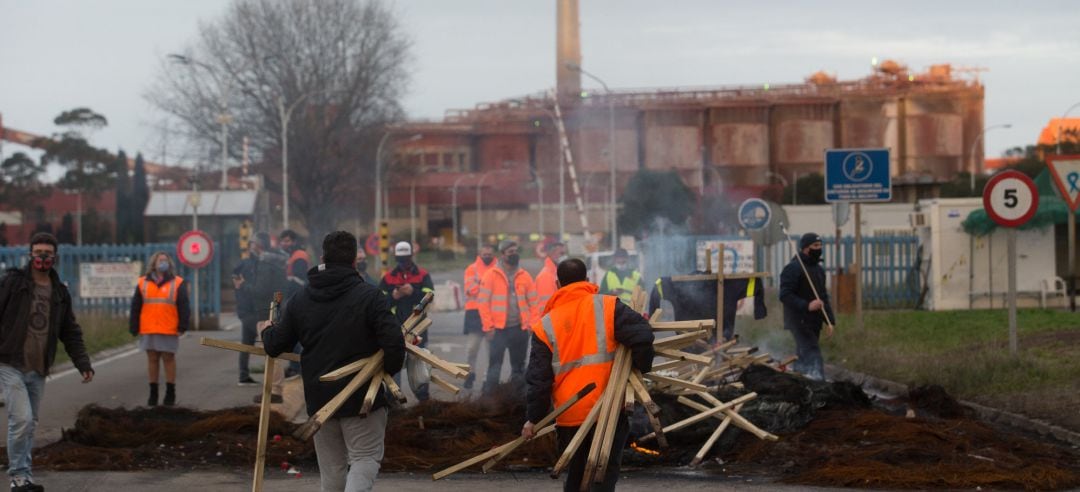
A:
(1010, 198)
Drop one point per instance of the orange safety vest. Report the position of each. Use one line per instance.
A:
(474, 274)
(494, 299)
(299, 254)
(546, 282)
(579, 328)
(159, 315)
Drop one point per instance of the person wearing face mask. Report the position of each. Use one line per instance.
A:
(621, 279)
(406, 285)
(361, 266)
(159, 315)
(474, 328)
(508, 304)
(546, 280)
(802, 310)
(35, 313)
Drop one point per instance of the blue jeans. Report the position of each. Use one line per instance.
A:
(22, 392)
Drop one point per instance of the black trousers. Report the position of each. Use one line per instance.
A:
(576, 468)
(511, 339)
(810, 363)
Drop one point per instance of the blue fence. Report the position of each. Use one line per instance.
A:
(891, 274)
(70, 257)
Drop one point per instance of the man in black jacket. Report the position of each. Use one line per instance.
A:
(802, 310)
(573, 335)
(35, 312)
(339, 319)
(256, 279)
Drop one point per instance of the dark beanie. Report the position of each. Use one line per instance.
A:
(808, 239)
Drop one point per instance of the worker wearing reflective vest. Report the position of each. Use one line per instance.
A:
(159, 315)
(508, 304)
(573, 344)
(621, 279)
(546, 280)
(299, 261)
(474, 327)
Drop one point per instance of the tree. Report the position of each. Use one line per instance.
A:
(124, 202)
(339, 63)
(20, 182)
(653, 197)
(66, 234)
(811, 190)
(88, 169)
(140, 196)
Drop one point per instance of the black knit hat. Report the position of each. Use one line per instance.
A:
(808, 239)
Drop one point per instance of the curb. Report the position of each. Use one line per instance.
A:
(989, 414)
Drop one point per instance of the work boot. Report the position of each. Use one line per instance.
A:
(170, 394)
(152, 402)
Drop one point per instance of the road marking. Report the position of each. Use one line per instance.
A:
(100, 363)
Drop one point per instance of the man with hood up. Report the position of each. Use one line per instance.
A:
(339, 319)
(802, 310)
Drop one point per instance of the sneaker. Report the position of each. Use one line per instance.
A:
(247, 382)
(23, 484)
(273, 399)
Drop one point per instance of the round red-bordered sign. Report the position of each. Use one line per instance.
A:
(195, 249)
(1010, 198)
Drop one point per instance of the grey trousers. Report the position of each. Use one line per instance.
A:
(350, 451)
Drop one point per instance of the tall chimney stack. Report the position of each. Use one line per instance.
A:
(568, 51)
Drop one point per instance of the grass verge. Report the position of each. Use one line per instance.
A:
(100, 332)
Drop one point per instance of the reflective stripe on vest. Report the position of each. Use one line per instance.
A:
(169, 299)
(600, 357)
(159, 314)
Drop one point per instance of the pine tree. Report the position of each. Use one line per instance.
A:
(140, 196)
(124, 202)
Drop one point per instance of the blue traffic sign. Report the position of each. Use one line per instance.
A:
(754, 214)
(857, 175)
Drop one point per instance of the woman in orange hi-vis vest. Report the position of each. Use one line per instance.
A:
(573, 344)
(159, 315)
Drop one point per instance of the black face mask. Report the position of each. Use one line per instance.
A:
(487, 261)
(815, 254)
(404, 261)
(361, 266)
(512, 260)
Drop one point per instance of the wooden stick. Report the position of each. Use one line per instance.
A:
(264, 425)
(670, 365)
(697, 324)
(394, 389)
(369, 396)
(309, 428)
(737, 419)
(680, 355)
(249, 349)
(712, 439)
(628, 401)
(436, 362)
(651, 408)
(677, 382)
(445, 384)
(679, 341)
(702, 416)
(656, 315)
(543, 425)
(788, 361)
(727, 276)
(599, 460)
(345, 370)
(422, 327)
(575, 442)
(417, 313)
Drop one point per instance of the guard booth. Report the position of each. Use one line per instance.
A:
(221, 214)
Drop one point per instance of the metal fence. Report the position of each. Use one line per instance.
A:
(71, 256)
(890, 275)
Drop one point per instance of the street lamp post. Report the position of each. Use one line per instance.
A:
(611, 149)
(454, 211)
(223, 118)
(976, 167)
(412, 211)
(286, 116)
(1063, 117)
(381, 202)
(562, 173)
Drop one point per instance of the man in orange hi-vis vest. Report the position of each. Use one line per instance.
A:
(508, 304)
(546, 280)
(474, 328)
(573, 344)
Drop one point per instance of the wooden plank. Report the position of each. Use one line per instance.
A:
(679, 341)
(656, 315)
(575, 442)
(422, 327)
(712, 439)
(372, 392)
(652, 410)
(250, 349)
(671, 364)
(309, 428)
(628, 399)
(737, 419)
(702, 416)
(436, 362)
(680, 355)
(621, 375)
(677, 382)
(394, 389)
(698, 324)
(712, 276)
(345, 370)
(264, 425)
(543, 425)
(444, 384)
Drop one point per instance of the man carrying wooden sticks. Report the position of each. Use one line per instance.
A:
(339, 319)
(574, 344)
(804, 311)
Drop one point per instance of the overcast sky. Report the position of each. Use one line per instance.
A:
(59, 54)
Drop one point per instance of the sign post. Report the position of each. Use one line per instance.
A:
(1066, 172)
(1011, 199)
(196, 250)
(857, 176)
